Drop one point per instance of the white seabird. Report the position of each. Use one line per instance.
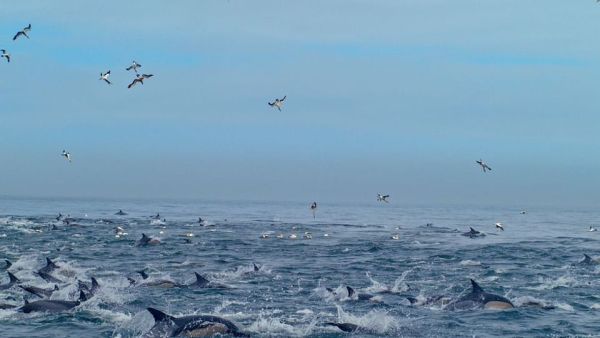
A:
(104, 76)
(396, 237)
(382, 198)
(499, 226)
(5, 55)
(134, 66)
(483, 165)
(277, 103)
(66, 155)
(592, 229)
(23, 32)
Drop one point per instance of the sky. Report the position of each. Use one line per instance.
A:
(398, 97)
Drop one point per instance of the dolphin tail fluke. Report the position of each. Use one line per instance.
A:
(82, 296)
(13, 278)
(143, 274)
(350, 291)
(476, 287)
(201, 280)
(159, 316)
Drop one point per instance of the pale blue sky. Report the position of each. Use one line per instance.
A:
(383, 96)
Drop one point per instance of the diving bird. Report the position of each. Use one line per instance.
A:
(382, 198)
(66, 155)
(134, 66)
(104, 76)
(499, 226)
(313, 208)
(593, 229)
(483, 165)
(277, 103)
(5, 55)
(23, 32)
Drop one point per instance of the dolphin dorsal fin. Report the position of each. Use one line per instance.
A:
(26, 301)
(94, 283)
(350, 291)
(256, 268)
(13, 278)
(8, 264)
(586, 258)
(144, 236)
(476, 287)
(159, 316)
(82, 296)
(472, 230)
(55, 287)
(49, 262)
(201, 280)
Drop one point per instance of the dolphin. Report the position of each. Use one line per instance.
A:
(145, 240)
(480, 299)
(52, 305)
(347, 327)
(159, 283)
(587, 260)
(190, 326)
(40, 292)
(48, 278)
(473, 233)
(4, 306)
(359, 296)
(50, 266)
(12, 281)
(121, 213)
(8, 264)
(91, 291)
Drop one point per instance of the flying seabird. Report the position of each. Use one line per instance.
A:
(66, 155)
(499, 226)
(5, 55)
(134, 66)
(23, 32)
(483, 165)
(104, 76)
(313, 208)
(382, 198)
(277, 103)
(140, 79)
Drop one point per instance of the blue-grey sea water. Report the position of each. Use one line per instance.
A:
(534, 263)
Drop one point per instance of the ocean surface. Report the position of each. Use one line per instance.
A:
(534, 263)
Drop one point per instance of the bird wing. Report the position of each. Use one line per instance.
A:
(271, 103)
(129, 68)
(17, 35)
(106, 80)
(283, 98)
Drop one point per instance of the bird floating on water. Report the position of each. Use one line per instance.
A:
(104, 76)
(134, 66)
(592, 229)
(5, 55)
(382, 198)
(66, 155)
(277, 103)
(483, 165)
(23, 32)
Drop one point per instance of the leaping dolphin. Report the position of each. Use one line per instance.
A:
(478, 298)
(52, 305)
(48, 277)
(347, 327)
(190, 326)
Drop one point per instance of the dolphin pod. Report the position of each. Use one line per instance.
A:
(190, 326)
